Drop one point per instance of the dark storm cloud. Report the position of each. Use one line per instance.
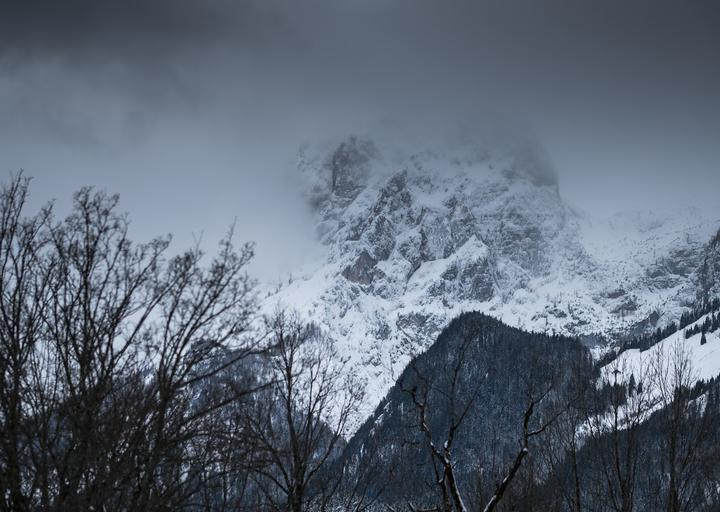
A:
(181, 102)
(517, 55)
(100, 25)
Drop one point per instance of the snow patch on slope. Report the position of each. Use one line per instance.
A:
(703, 360)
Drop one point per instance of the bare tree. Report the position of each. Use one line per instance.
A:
(441, 449)
(560, 449)
(23, 302)
(442, 453)
(528, 433)
(108, 343)
(300, 421)
(615, 435)
(687, 426)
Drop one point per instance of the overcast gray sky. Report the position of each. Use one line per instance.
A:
(193, 110)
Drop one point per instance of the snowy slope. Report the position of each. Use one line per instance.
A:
(703, 361)
(413, 238)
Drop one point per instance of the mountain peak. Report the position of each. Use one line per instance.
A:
(413, 238)
(349, 167)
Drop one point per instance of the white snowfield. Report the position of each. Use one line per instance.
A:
(412, 239)
(702, 362)
(674, 361)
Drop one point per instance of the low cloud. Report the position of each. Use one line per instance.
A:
(193, 110)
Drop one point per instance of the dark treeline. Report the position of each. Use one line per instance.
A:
(463, 404)
(138, 380)
(703, 308)
(656, 447)
(622, 439)
(711, 324)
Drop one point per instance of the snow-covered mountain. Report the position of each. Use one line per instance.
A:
(412, 238)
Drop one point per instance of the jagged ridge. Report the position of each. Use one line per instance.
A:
(413, 240)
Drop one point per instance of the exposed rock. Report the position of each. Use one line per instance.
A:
(476, 281)
(413, 322)
(615, 294)
(628, 306)
(436, 239)
(380, 237)
(349, 167)
(709, 271)
(361, 270)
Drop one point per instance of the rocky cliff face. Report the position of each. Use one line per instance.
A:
(413, 240)
(709, 273)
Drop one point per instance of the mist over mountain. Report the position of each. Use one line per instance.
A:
(359, 255)
(183, 103)
(476, 223)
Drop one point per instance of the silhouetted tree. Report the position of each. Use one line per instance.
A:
(105, 345)
(300, 421)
